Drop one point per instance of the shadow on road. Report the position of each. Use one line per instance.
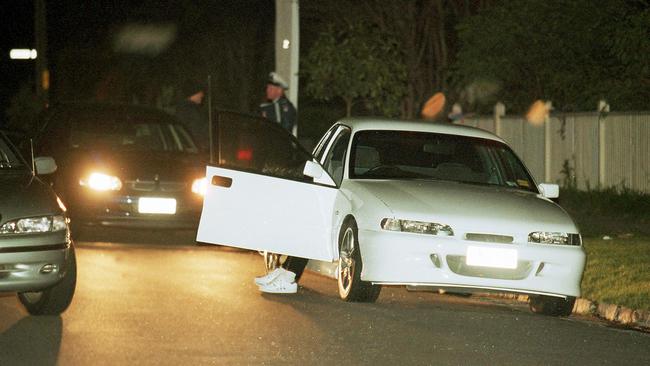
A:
(135, 236)
(32, 341)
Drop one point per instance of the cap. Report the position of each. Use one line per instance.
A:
(276, 80)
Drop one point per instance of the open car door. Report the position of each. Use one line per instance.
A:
(258, 197)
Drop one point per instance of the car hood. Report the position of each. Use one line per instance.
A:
(143, 165)
(24, 196)
(469, 208)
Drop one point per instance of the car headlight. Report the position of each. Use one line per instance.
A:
(199, 186)
(101, 182)
(545, 237)
(41, 224)
(419, 227)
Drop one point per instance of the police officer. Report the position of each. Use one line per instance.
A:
(278, 108)
(283, 278)
(191, 113)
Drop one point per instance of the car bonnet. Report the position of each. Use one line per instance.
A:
(469, 208)
(24, 195)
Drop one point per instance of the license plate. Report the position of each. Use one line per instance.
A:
(153, 205)
(491, 257)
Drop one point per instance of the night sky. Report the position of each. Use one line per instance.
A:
(17, 31)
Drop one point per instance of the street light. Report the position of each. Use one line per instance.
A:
(22, 54)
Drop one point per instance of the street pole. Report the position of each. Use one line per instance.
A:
(42, 74)
(287, 46)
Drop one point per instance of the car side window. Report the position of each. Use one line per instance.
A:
(259, 146)
(335, 161)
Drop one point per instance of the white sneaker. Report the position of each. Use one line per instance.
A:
(269, 277)
(280, 285)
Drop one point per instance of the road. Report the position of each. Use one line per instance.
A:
(168, 302)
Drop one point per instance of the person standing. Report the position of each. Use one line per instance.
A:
(191, 113)
(278, 108)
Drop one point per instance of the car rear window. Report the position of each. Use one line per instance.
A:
(124, 131)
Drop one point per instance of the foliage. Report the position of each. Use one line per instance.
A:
(609, 211)
(423, 29)
(569, 180)
(358, 64)
(571, 52)
(617, 272)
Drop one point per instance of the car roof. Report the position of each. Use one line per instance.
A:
(108, 109)
(381, 123)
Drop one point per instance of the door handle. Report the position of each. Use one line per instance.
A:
(221, 181)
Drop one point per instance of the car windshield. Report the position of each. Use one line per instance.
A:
(9, 158)
(423, 155)
(131, 133)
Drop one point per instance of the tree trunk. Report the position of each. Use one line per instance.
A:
(348, 106)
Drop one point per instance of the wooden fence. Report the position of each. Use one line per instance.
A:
(589, 149)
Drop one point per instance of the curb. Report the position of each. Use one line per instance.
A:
(614, 313)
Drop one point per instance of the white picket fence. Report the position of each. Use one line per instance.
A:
(602, 150)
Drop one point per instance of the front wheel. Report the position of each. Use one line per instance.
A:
(351, 287)
(554, 306)
(56, 299)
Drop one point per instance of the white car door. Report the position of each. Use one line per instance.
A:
(258, 198)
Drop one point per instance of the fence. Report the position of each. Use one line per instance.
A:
(590, 149)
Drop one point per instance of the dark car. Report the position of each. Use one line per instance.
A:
(37, 258)
(123, 165)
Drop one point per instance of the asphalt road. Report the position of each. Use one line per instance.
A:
(172, 303)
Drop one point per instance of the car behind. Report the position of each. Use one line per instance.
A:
(122, 165)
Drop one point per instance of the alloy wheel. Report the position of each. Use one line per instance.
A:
(346, 261)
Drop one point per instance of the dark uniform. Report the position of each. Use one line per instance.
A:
(281, 111)
(192, 114)
(196, 122)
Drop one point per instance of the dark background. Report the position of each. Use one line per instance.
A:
(477, 52)
(211, 37)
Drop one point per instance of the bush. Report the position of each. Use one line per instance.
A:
(611, 211)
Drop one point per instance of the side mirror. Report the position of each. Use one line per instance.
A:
(314, 170)
(45, 165)
(549, 190)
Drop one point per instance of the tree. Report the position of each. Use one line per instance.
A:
(570, 52)
(423, 29)
(358, 64)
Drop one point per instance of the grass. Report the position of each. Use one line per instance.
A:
(618, 271)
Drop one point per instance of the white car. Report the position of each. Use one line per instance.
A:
(396, 203)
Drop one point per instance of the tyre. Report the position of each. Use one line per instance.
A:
(351, 287)
(56, 299)
(554, 306)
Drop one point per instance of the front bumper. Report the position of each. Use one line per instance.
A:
(424, 260)
(33, 262)
(121, 210)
